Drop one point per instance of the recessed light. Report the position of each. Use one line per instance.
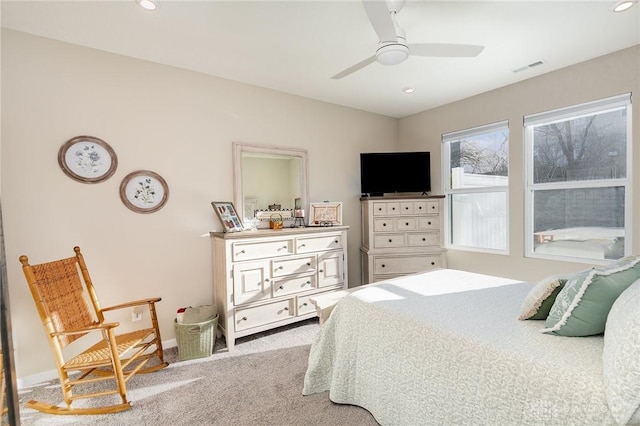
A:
(622, 5)
(408, 89)
(148, 4)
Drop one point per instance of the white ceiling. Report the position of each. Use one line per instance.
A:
(296, 46)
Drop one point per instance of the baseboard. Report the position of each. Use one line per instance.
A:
(45, 376)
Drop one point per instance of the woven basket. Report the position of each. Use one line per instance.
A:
(196, 340)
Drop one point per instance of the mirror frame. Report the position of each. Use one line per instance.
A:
(240, 148)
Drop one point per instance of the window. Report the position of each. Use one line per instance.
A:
(578, 163)
(476, 164)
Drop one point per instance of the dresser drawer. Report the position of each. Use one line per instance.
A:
(264, 314)
(433, 207)
(296, 265)
(404, 264)
(423, 239)
(304, 304)
(389, 241)
(384, 225)
(428, 222)
(406, 224)
(386, 208)
(285, 286)
(313, 244)
(262, 249)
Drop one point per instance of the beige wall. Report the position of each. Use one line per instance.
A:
(182, 124)
(606, 76)
(177, 123)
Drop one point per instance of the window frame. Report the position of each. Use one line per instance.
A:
(600, 106)
(449, 192)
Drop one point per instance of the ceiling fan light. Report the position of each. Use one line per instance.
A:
(148, 4)
(392, 54)
(622, 5)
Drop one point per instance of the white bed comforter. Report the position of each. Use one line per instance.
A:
(445, 348)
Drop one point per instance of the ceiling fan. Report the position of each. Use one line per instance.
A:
(393, 47)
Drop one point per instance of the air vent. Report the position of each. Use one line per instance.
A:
(531, 65)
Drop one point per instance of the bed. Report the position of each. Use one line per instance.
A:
(445, 348)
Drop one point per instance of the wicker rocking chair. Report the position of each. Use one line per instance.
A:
(70, 311)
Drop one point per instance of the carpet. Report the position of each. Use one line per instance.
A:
(259, 383)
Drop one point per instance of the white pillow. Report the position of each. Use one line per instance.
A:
(621, 355)
(541, 297)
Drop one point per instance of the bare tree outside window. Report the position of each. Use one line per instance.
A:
(578, 184)
(584, 148)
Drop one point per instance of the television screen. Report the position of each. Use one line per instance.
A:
(389, 172)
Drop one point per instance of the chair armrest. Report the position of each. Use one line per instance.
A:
(97, 327)
(149, 301)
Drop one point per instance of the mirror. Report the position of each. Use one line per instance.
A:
(269, 180)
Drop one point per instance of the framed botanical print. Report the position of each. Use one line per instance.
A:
(228, 216)
(144, 191)
(87, 159)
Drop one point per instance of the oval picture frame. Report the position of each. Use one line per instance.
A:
(87, 159)
(144, 191)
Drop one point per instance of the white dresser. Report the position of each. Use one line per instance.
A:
(264, 278)
(401, 236)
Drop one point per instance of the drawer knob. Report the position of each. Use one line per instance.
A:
(424, 239)
(433, 263)
(308, 282)
(281, 287)
(429, 223)
(406, 208)
(302, 245)
(406, 223)
(285, 309)
(308, 263)
(393, 208)
(244, 318)
(383, 265)
(304, 304)
(379, 209)
(241, 251)
(280, 267)
(336, 241)
(390, 240)
(384, 224)
(266, 279)
(420, 208)
(433, 207)
(320, 270)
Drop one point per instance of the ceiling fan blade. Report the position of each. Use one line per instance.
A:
(354, 68)
(445, 50)
(380, 17)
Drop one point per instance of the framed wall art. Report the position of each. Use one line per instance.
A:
(228, 216)
(144, 191)
(327, 213)
(87, 159)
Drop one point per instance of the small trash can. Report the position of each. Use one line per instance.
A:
(196, 339)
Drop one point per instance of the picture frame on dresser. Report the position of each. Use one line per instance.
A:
(326, 213)
(228, 216)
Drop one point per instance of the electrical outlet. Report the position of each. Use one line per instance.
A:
(136, 314)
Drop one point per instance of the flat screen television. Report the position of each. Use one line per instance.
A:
(395, 172)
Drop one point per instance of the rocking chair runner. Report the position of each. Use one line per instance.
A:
(70, 311)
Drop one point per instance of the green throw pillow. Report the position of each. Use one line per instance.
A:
(582, 306)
